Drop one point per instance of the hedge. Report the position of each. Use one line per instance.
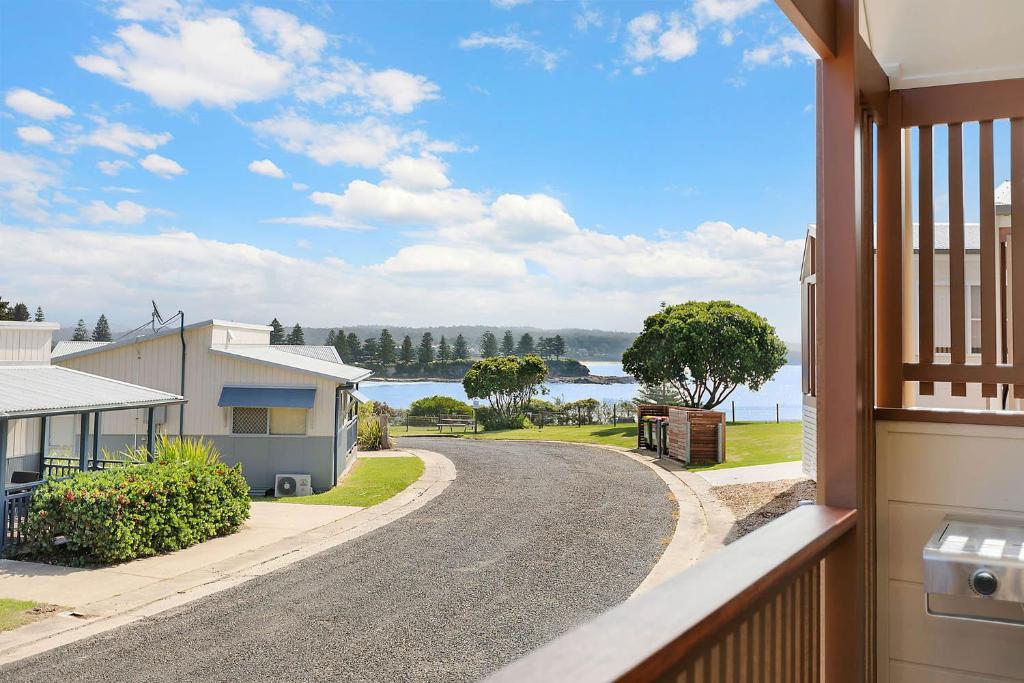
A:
(137, 511)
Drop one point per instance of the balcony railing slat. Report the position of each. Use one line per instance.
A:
(987, 205)
(926, 243)
(957, 305)
(685, 624)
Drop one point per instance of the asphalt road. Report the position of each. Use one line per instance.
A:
(530, 540)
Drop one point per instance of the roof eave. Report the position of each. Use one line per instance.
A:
(97, 408)
(286, 366)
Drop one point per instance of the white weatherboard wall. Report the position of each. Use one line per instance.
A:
(924, 472)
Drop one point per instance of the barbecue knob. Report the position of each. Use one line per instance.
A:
(984, 582)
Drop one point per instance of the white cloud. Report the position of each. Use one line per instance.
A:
(509, 4)
(162, 166)
(124, 212)
(724, 11)
(587, 17)
(120, 188)
(112, 168)
(293, 39)
(121, 138)
(301, 187)
(453, 261)
(513, 41)
(266, 167)
(651, 38)
(390, 90)
(24, 180)
(148, 10)
(780, 53)
(537, 217)
(210, 61)
(35, 135)
(35, 105)
(364, 203)
(426, 172)
(369, 142)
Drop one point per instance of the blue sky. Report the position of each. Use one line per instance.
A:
(425, 163)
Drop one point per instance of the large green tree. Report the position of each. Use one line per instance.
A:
(355, 349)
(508, 344)
(488, 345)
(340, 346)
(425, 353)
(277, 334)
(101, 332)
(20, 312)
(461, 349)
(296, 337)
(507, 382)
(704, 350)
(525, 345)
(81, 332)
(444, 350)
(408, 353)
(388, 350)
(371, 351)
(557, 346)
(329, 341)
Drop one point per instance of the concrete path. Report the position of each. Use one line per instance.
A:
(753, 474)
(527, 542)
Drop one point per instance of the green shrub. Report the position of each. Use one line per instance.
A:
(179, 450)
(372, 434)
(135, 511)
(434, 405)
(492, 420)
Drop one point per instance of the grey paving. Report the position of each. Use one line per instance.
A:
(530, 540)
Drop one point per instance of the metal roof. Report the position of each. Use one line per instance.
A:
(146, 336)
(274, 355)
(65, 347)
(327, 353)
(35, 390)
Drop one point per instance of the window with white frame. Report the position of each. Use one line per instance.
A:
(974, 313)
(272, 421)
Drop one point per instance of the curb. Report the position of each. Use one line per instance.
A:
(126, 608)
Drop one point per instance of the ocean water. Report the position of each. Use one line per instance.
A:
(784, 390)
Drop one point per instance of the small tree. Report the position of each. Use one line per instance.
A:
(705, 349)
(408, 354)
(371, 351)
(461, 349)
(329, 341)
(296, 337)
(525, 345)
(39, 314)
(277, 335)
(5, 310)
(444, 351)
(488, 345)
(507, 382)
(81, 332)
(544, 347)
(581, 412)
(101, 333)
(354, 348)
(508, 344)
(425, 354)
(20, 312)
(388, 350)
(557, 346)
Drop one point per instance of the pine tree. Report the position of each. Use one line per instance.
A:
(296, 337)
(39, 314)
(508, 344)
(101, 333)
(388, 350)
(341, 346)
(544, 345)
(525, 345)
(407, 354)
(371, 351)
(329, 341)
(276, 332)
(444, 351)
(354, 348)
(20, 312)
(461, 349)
(558, 346)
(488, 345)
(425, 354)
(5, 311)
(81, 332)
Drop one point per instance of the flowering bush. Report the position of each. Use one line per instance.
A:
(129, 512)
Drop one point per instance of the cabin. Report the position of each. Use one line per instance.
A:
(907, 568)
(276, 409)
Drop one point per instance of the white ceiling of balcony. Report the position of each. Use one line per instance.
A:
(938, 42)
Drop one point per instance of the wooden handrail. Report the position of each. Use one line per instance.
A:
(642, 639)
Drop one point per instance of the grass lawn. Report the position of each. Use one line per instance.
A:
(15, 613)
(370, 481)
(747, 443)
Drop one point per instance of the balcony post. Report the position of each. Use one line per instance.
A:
(843, 345)
(889, 289)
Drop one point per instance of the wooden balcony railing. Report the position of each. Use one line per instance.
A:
(751, 612)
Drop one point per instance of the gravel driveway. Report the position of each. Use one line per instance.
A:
(530, 540)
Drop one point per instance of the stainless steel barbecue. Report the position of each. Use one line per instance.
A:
(982, 559)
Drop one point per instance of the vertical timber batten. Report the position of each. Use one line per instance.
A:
(989, 240)
(957, 306)
(889, 289)
(842, 404)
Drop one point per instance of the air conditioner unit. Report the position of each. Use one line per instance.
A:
(288, 485)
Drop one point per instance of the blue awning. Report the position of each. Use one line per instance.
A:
(267, 397)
